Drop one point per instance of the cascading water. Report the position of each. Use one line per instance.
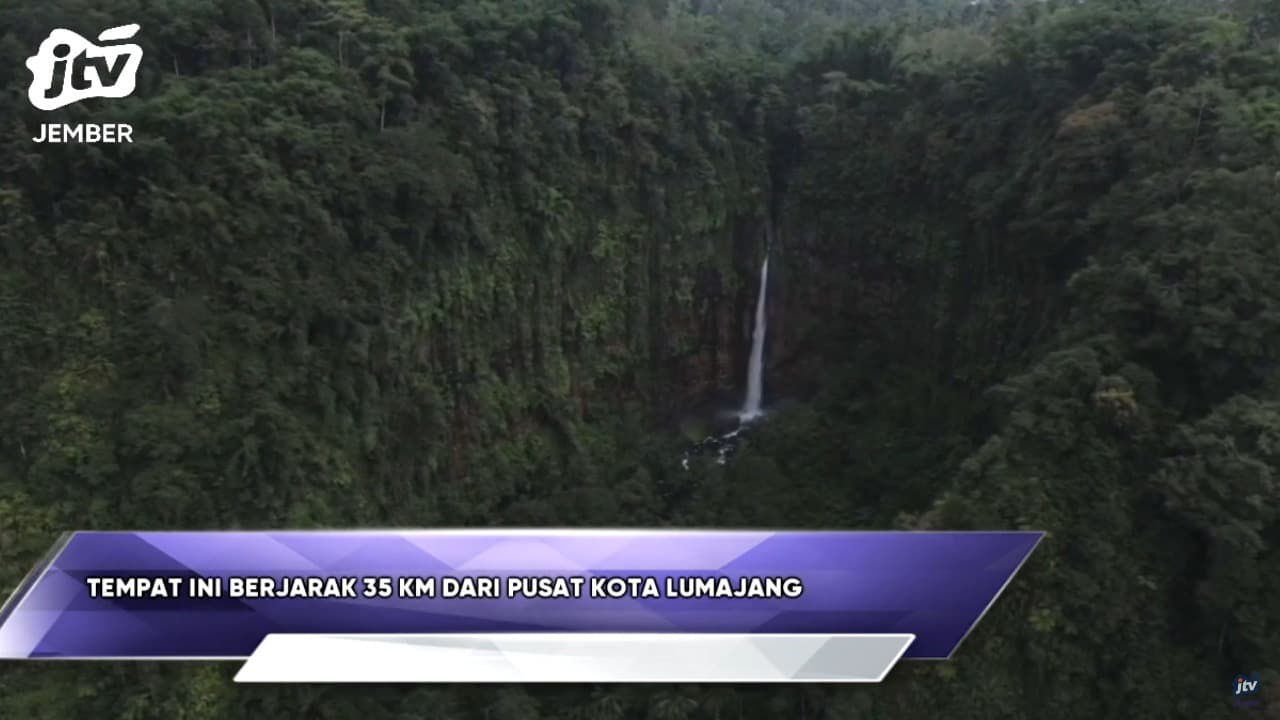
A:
(724, 445)
(755, 368)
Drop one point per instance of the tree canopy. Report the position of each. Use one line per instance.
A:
(432, 262)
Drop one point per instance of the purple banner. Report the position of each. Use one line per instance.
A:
(218, 595)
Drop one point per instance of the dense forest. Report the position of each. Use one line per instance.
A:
(489, 262)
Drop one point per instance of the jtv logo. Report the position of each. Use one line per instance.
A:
(68, 68)
(1244, 691)
(1245, 685)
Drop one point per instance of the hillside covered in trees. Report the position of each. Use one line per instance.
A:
(488, 262)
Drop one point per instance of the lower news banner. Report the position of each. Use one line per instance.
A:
(515, 605)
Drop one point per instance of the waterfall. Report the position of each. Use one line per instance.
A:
(755, 369)
(725, 445)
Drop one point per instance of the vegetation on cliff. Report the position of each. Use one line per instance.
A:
(460, 263)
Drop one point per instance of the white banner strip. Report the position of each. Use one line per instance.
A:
(574, 658)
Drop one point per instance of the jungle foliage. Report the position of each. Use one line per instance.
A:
(446, 262)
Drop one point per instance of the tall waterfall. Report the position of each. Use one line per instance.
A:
(755, 369)
(725, 445)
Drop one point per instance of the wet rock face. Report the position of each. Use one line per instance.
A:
(708, 343)
(720, 447)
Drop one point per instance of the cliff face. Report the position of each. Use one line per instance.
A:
(714, 366)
